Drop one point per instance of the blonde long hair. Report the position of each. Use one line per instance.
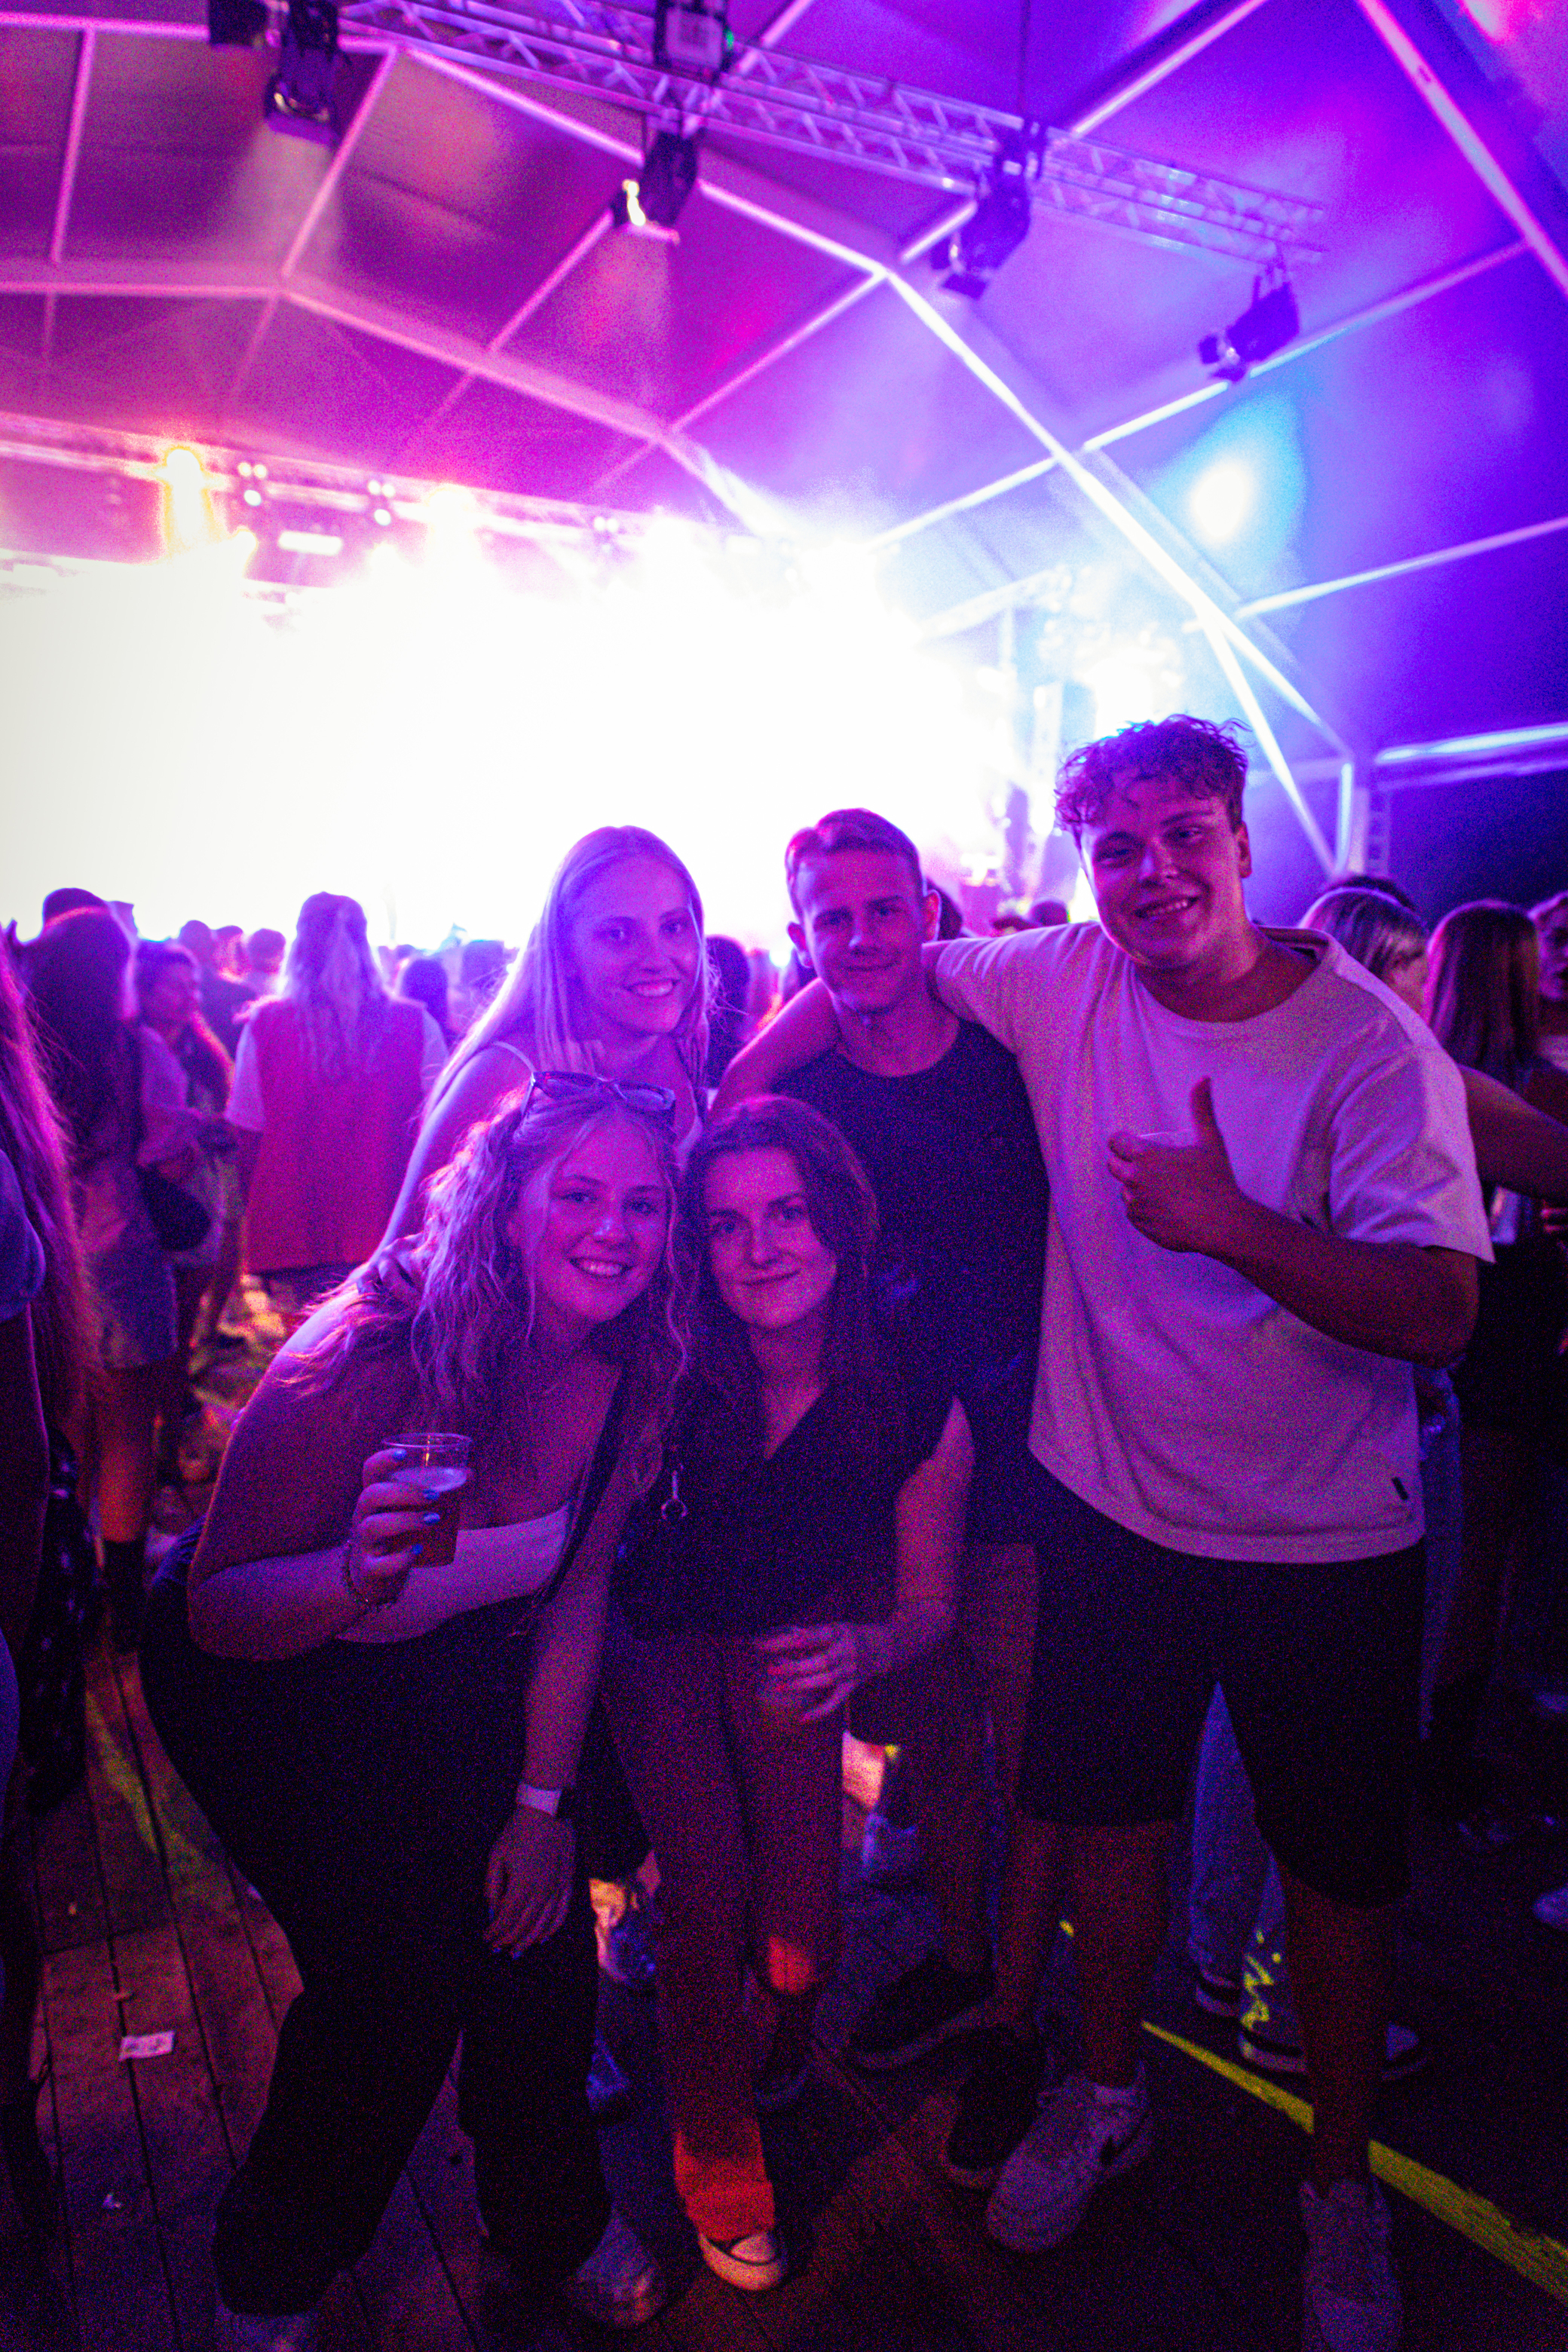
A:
(332, 979)
(537, 998)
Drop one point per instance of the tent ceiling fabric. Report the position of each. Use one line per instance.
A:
(442, 295)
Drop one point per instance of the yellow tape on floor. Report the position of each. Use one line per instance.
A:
(1535, 2256)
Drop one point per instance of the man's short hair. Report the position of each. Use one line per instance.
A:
(1208, 761)
(68, 901)
(265, 949)
(843, 829)
(1545, 907)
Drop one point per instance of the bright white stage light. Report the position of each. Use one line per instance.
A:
(1140, 677)
(1222, 498)
(431, 738)
(182, 470)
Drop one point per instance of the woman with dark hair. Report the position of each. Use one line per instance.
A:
(1483, 1001)
(123, 1095)
(328, 1088)
(802, 1538)
(46, 1559)
(168, 990)
(384, 1726)
(423, 980)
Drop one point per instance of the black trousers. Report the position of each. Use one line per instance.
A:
(360, 1788)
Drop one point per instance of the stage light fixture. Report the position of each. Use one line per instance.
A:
(1271, 322)
(300, 97)
(692, 37)
(654, 200)
(997, 226)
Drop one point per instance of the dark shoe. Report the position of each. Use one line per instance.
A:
(919, 2009)
(996, 2107)
(1405, 2052)
(609, 2084)
(26, 2165)
(781, 2082)
(621, 2283)
(1221, 1996)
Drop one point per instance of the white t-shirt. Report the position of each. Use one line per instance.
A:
(1174, 1395)
(244, 1105)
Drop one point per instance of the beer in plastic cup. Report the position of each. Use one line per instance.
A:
(438, 1466)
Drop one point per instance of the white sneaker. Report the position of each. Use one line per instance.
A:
(621, 2283)
(244, 2331)
(752, 2263)
(1084, 2134)
(1351, 2300)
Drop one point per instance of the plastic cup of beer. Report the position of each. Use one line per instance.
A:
(436, 1466)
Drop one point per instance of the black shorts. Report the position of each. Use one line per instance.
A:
(1318, 1664)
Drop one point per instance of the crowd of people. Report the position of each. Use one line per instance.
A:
(1072, 1360)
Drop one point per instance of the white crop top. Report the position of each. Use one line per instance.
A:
(492, 1564)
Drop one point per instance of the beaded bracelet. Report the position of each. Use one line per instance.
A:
(363, 1602)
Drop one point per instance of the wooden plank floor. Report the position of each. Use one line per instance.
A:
(146, 1929)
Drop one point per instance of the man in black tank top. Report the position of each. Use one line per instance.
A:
(938, 1114)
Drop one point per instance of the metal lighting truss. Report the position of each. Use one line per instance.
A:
(597, 49)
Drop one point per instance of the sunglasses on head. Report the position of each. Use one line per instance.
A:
(586, 1086)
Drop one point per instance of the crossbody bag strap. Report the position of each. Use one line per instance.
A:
(590, 1496)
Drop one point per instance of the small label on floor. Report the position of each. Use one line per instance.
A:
(146, 2045)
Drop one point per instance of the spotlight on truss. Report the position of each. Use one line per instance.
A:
(652, 201)
(1270, 323)
(692, 37)
(301, 97)
(1000, 221)
(235, 24)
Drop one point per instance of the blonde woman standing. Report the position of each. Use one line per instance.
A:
(613, 979)
(328, 1088)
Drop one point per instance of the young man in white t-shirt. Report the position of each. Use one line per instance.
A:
(1264, 1208)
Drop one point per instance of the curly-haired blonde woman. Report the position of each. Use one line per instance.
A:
(387, 1744)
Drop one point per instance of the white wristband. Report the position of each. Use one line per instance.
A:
(541, 1800)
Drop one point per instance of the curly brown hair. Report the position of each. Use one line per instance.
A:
(1206, 758)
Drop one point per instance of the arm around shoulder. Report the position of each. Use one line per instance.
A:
(995, 982)
(807, 1027)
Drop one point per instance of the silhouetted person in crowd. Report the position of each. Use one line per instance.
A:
(123, 1095)
(727, 1018)
(68, 902)
(223, 999)
(262, 953)
(328, 1084)
(422, 980)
